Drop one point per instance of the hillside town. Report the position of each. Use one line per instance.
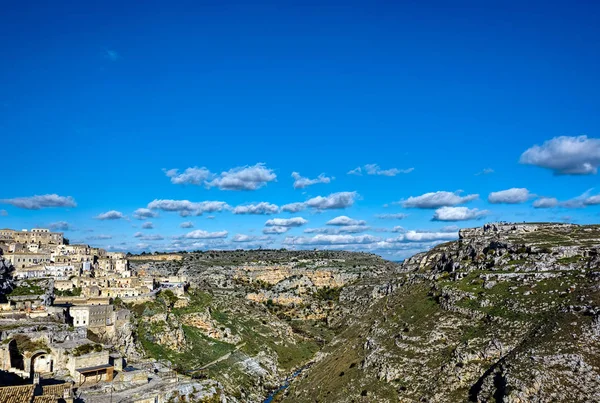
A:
(64, 322)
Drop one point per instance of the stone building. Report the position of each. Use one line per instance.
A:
(92, 315)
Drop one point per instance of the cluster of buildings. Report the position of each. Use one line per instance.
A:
(71, 287)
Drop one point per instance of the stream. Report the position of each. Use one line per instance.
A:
(285, 384)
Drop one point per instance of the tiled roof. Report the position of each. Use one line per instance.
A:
(56, 390)
(17, 394)
(45, 399)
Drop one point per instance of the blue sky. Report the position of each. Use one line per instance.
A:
(99, 102)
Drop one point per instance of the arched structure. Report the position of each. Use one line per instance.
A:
(41, 362)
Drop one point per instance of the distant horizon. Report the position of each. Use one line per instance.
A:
(365, 126)
(258, 248)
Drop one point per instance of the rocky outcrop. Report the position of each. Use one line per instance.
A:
(509, 312)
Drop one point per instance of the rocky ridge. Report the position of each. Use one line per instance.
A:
(507, 313)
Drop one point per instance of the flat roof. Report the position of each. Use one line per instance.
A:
(94, 368)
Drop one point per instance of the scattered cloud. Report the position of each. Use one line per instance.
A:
(40, 201)
(355, 171)
(260, 208)
(485, 171)
(145, 237)
(244, 178)
(101, 237)
(395, 216)
(60, 226)
(144, 213)
(201, 234)
(186, 224)
(191, 176)
(240, 178)
(302, 182)
(584, 200)
(249, 238)
(275, 230)
(437, 199)
(3, 213)
(147, 225)
(338, 200)
(450, 228)
(458, 214)
(545, 202)
(293, 207)
(510, 196)
(565, 155)
(186, 208)
(322, 239)
(345, 220)
(110, 215)
(347, 229)
(374, 169)
(286, 222)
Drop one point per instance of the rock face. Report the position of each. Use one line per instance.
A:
(509, 312)
(6, 277)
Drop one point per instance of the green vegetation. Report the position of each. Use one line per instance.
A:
(569, 260)
(87, 349)
(328, 294)
(75, 292)
(28, 287)
(25, 343)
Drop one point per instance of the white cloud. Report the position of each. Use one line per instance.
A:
(545, 202)
(510, 196)
(485, 171)
(301, 182)
(101, 237)
(201, 234)
(395, 216)
(458, 214)
(244, 178)
(186, 208)
(3, 213)
(345, 220)
(275, 230)
(374, 169)
(286, 222)
(348, 229)
(60, 226)
(40, 201)
(565, 155)
(144, 237)
(260, 208)
(110, 215)
(331, 240)
(147, 225)
(191, 176)
(338, 200)
(249, 238)
(586, 199)
(437, 199)
(293, 207)
(144, 213)
(186, 224)
(450, 228)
